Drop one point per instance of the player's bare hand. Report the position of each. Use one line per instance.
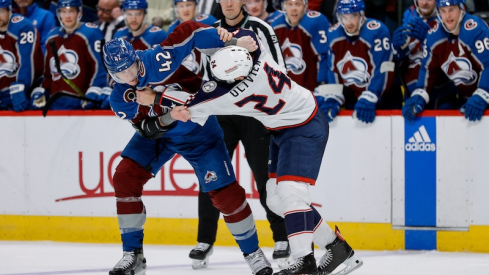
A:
(180, 113)
(248, 43)
(225, 36)
(145, 97)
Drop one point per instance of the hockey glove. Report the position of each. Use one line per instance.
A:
(92, 93)
(38, 98)
(365, 107)
(331, 108)
(105, 98)
(401, 38)
(17, 95)
(475, 105)
(415, 104)
(330, 98)
(419, 29)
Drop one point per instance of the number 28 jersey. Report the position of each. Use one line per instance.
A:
(266, 94)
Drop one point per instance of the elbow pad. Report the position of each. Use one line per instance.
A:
(150, 128)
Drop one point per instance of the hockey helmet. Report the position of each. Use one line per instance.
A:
(119, 55)
(446, 3)
(231, 62)
(135, 5)
(69, 4)
(178, 1)
(6, 4)
(349, 7)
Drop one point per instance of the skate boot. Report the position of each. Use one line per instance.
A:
(258, 263)
(132, 263)
(281, 254)
(338, 252)
(305, 265)
(200, 255)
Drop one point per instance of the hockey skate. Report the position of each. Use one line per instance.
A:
(338, 252)
(281, 254)
(305, 265)
(132, 263)
(258, 263)
(200, 255)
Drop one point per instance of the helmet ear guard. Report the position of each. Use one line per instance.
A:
(231, 62)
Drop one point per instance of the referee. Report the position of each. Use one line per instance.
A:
(254, 137)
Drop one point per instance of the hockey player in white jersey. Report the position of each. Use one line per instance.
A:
(255, 85)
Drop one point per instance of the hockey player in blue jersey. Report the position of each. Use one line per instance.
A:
(21, 61)
(407, 40)
(458, 47)
(42, 19)
(161, 137)
(136, 31)
(360, 59)
(77, 46)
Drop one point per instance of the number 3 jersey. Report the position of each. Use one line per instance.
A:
(266, 94)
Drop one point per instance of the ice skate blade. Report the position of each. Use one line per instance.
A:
(350, 265)
(283, 263)
(199, 264)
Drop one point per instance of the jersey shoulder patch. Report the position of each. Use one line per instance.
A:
(17, 19)
(201, 17)
(209, 86)
(434, 28)
(313, 14)
(470, 24)
(373, 25)
(91, 25)
(154, 29)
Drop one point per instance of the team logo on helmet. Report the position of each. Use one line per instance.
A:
(459, 70)
(68, 61)
(353, 70)
(210, 176)
(209, 86)
(8, 63)
(293, 57)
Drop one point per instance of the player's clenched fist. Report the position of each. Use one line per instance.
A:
(248, 43)
(180, 113)
(225, 36)
(145, 97)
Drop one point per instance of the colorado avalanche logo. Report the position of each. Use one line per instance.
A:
(8, 63)
(353, 70)
(210, 176)
(459, 70)
(191, 63)
(293, 57)
(415, 53)
(470, 24)
(434, 28)
(68, 61)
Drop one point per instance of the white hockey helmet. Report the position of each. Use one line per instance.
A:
(231, 62)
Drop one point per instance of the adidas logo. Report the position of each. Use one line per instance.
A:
(420, 141)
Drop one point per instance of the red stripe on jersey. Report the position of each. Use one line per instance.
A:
(296, 125)
(296, 178)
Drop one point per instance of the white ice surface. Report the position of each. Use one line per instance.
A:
(73, 258)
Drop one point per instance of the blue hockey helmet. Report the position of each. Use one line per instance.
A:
(135, 5)
(6, 4)
(119, 55)
(350, 6)
(446, 3)
(69, 3)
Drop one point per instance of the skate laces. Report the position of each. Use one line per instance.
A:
(326, 259)
(128, 259)
(257, 261)
(283, 245)
(298, 263)
(202, 246)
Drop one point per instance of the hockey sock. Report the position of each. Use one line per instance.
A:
(231, 201)
(323, 234)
